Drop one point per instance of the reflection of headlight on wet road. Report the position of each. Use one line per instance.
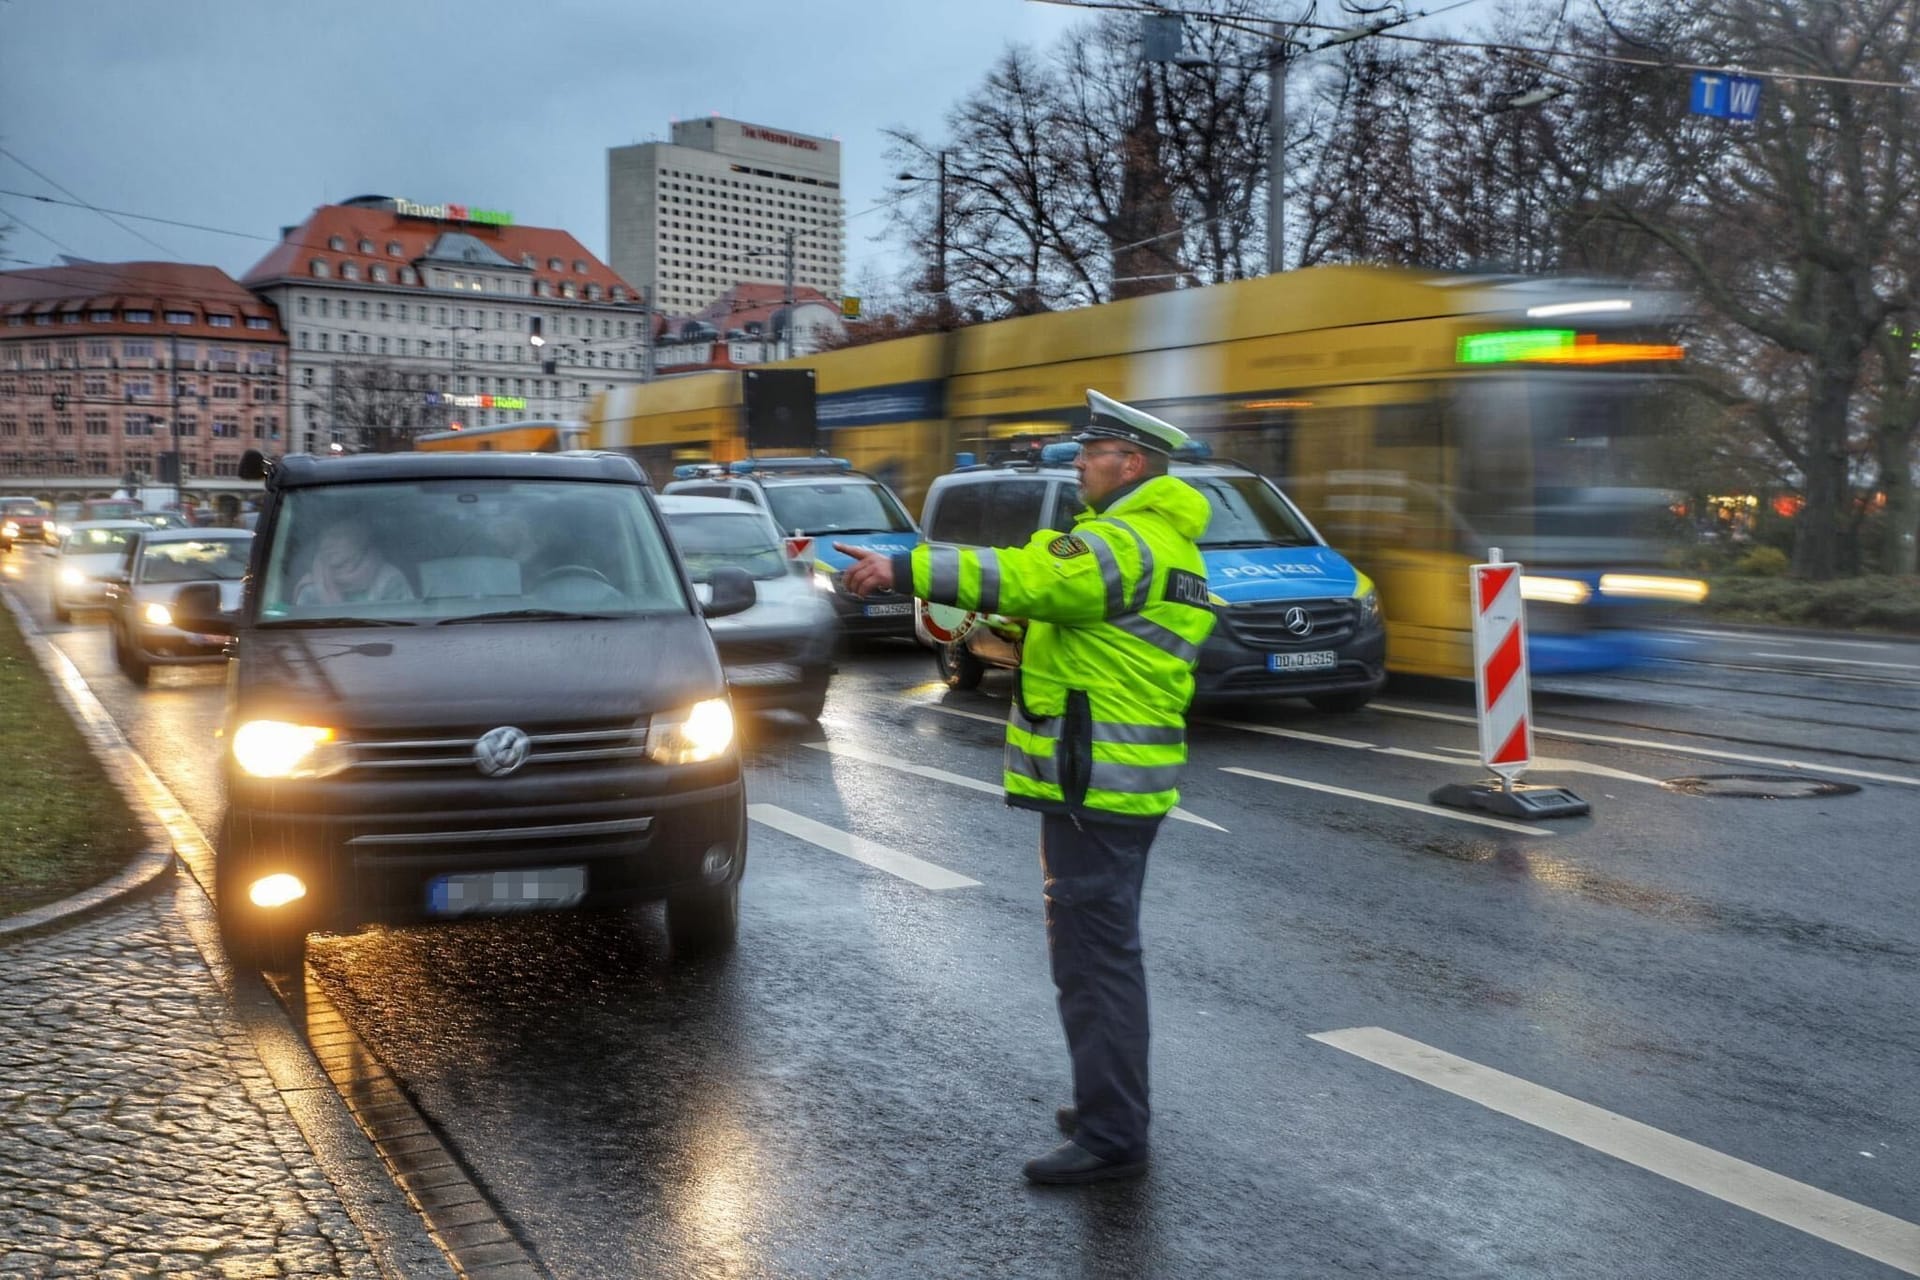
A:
(1554, 590)
(157, 614)
(701, 732)
(1644, 587)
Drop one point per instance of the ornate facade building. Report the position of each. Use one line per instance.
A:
(111, 371)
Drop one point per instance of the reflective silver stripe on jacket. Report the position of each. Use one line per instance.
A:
(1135, 779)
(1145, 584)
(1109, 575)
(1158, 636)
(989, 562)
(1027, 765)
(1139, 735)
(943, 574)
(1026, 723)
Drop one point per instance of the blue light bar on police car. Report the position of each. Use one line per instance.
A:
(747, 466)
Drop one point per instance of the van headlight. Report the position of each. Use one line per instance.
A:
(1370, 614)
(157, 614)
(276, 749)
(10, 529)
(71, 577)
(702, 731)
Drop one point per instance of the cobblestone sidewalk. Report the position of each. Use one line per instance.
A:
(139, 1133)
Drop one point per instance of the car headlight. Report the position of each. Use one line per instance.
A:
(157, 614)
(276, 749)
(72, 577)
(703, 731)
(11, 529)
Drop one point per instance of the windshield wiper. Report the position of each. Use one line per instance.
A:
(338, 622)
(529, 615)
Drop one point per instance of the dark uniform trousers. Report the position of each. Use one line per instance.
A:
(1094, 873)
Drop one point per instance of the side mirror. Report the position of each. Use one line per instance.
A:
(197, 608)
(733, 592)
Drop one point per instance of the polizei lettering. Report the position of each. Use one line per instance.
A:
(1187, 588)
(1268, 570)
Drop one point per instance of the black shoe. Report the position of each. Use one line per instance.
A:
(1068, 1118)
(1070, 1165)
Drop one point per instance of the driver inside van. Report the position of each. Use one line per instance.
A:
(346, 567)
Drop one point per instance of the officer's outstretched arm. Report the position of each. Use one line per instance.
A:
(1055, 577)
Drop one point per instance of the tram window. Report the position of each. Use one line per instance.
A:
(1407, 426)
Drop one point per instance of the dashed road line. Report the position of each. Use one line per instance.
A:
(1432, 810)
(1669, 748)
(1852, 1226)
(872, 853)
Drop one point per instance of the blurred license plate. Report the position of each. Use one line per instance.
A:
(496, 891)
(764, 673)
(1315, 661)
(897, 609)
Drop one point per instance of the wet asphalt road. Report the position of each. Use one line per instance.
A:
(851, 1093)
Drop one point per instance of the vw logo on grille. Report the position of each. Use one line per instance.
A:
(1299, 621)
(500, 751)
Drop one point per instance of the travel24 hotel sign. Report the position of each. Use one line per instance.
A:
(453, 213)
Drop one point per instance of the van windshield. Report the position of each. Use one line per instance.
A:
(1249, 512)
(440, 550)
(711, 539)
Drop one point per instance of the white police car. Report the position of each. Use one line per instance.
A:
(826, 500)
(1295, 619)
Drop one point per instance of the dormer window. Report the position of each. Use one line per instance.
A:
(336, 243)
(378, 273)
(554, 264)
(319, 267)
(579, 267)
(393, 249)
(366, 246)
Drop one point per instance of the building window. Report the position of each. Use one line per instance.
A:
(363, 309)
(407, 276)
(318, 267)
(377, 273)
(136, 348)
(259, 322)
(366, 246)
(180, 317)
(348, 271)
(393, 249)
(336, 243)
(137, 317)
(302, 304)
(100, 317)
(220, 322)
(98, 425)
(99, 349)
(554, 264)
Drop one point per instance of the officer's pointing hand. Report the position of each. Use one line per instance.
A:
(871, 570)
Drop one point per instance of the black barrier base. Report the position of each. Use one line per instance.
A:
(1522, 800)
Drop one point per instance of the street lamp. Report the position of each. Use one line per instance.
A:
(942, 301)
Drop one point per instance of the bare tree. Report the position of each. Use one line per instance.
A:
(381, 406)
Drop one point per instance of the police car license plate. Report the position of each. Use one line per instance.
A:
(894, 609)
(493, 892)
(1317, 660)
(763, 673)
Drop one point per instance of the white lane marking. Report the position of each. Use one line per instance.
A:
(957, 780)
(1670, 748)
(1855, 1227)
(1749, 637)
(1541, 764)
(1843, 662)
(874, 854)
(1433, 809)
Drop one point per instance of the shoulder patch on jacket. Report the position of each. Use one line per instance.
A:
(1186, 588)
(1067, 546)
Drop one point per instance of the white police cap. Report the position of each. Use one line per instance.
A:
(1115, 421)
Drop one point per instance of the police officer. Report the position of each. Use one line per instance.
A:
(1096, 737)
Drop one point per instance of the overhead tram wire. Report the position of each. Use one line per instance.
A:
(110, 217)
(1518, 50)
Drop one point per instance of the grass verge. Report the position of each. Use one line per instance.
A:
(1874, 603)
(63, 825)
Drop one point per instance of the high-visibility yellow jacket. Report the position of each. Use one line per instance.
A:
(1117, 611)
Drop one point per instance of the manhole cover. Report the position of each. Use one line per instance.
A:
(1759, 786)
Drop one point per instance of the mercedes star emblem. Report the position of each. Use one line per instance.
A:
(500, 751)
(1299, 621)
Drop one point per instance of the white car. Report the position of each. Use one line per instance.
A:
(91, 550)
(779, 653)
(141, 595)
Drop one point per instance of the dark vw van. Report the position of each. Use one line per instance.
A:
(470, 684)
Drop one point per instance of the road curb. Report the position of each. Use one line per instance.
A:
(116, 759)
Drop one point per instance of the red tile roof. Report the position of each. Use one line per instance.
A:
(383, 228)
(158, 287)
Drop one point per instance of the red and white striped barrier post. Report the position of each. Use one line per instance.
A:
(1503, 702)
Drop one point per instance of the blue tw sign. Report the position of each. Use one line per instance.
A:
(1725, 97)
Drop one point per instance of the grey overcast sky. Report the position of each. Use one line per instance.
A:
(245, 114)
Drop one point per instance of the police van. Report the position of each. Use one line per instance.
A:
(1295, 619)
(827, 501)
